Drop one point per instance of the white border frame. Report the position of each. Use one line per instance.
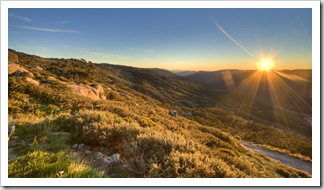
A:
(314, 181)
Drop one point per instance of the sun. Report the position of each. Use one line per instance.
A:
(265, 65)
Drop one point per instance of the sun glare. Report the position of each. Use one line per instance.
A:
(265, 65)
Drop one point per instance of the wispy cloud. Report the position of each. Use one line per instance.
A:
(140, 49)
(62, 22)
(48, 29)
(105, 55)
(233, 40)
(20, 17)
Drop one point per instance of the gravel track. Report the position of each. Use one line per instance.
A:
(282, 158)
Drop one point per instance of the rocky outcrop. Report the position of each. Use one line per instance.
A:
(31, 81)
(99, 91)
(94, 93)
(17, 70)
(35, 68)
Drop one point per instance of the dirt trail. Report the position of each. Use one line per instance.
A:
(282, 158)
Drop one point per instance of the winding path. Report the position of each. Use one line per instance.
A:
(282, 158)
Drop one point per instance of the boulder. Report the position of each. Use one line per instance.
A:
(99, 91)
(173, 113)
(31, 81)
(103, 97)
(87, 152)
(75, 146)
(115, 158)
(85, 91)
(35, 68)
(18, 73)
(80, 146)
(17, 70)
(50, 79)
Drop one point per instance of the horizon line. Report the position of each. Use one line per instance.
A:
(171, 70)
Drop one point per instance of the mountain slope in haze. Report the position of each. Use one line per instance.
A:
(279, 98)
(56, 103)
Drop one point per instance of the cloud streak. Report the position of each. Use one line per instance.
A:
(47, 29)
(62, 22)
(232, 39)
(140, 49)
(20, 17)
(106, 55)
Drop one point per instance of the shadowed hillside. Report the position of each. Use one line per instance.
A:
(279, 98)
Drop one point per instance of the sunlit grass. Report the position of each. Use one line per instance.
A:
(40, 164)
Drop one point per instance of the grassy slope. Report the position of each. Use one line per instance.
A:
(151, 143)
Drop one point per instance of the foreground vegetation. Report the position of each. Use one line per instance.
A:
(132, 120)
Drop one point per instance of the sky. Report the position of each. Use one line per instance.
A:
(173, 39)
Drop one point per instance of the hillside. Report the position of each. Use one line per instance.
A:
(282, 98)
(75, 118)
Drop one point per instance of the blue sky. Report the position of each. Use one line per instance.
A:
(175, 39)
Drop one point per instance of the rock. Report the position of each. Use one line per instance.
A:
(35, 68)
(32, 81)
(124, 95)
(50, 79)
(11, 131)
(99, 91)
(17, 70)
(18, 73)
(80, 146)
(98, 155)
(188, 113)
(75, 146)
(85, 91)
(173, 113)
(59, 174)
(88, 152)
(112, 159)
(103, 97)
